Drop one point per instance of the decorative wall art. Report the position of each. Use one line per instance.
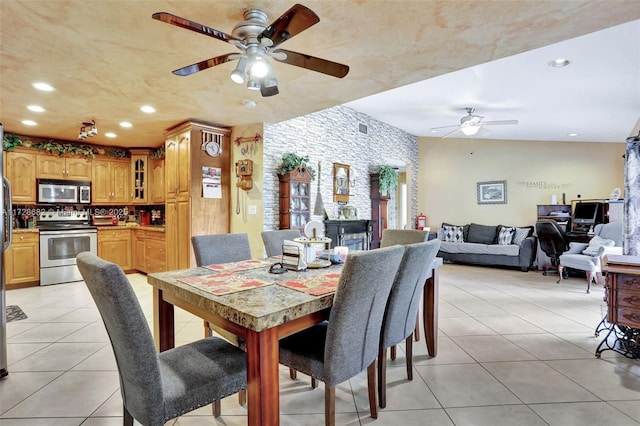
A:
(492, 192)
(340, 183)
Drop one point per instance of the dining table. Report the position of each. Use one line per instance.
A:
(245, 299)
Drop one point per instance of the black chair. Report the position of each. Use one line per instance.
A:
(553, 242)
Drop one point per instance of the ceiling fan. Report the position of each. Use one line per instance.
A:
(471, 124)
(256, 42)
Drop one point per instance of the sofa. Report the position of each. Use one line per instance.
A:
(488, 245)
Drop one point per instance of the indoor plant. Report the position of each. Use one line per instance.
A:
(388, 178)
(290, 161)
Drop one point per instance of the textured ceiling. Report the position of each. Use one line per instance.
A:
(107, 58)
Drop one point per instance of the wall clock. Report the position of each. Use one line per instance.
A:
(212, 148)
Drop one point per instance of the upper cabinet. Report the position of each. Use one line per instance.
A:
(140, 176)
(21, 173)
(70, 168)
(110, 181)
(157, 181)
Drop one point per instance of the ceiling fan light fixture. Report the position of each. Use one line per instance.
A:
(259, 67)
(470, 130)
(237, 75)
(253, 84)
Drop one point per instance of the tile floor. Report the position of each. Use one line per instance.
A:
(514, 349)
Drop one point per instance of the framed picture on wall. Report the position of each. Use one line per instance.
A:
(341, 183)
(493, 192)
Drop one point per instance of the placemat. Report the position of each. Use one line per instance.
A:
(224, 283)
(315, 286)
(241, 265)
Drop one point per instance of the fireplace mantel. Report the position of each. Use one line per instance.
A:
(355, 234)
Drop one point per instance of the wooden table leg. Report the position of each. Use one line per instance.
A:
(430, 312)
(263, 389)
(163, 326)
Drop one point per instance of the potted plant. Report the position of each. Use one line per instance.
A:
(388, 178)
(291, 161)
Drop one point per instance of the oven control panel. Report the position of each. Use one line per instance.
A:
(64, 215)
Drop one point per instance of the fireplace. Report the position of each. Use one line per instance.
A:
(355, 234)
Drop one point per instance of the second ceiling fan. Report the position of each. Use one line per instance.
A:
(256, 42)
(471, 124)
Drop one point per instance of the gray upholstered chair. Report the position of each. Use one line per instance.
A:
(591, 263)
(404, 236)
(403, 306)
(220, 248)
(157, 387)
(337, 350)
(273, 240)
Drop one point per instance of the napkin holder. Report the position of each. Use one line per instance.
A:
(293, 256)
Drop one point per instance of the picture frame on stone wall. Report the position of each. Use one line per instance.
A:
(341, 183)
(492, 192)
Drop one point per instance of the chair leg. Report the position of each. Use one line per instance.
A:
(589, 278)
(393, 353)
(409, 350)
(371, 386)
(216, 408)
(207, 330)
(382, 377)
(127, 418)
(242, 397)
(314, 383)
(329, 406)
(416, 331)
(292, 374)
(560, 267)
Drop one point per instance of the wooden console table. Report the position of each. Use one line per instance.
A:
(622, 294)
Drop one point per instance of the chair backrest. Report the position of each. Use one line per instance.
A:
(610, 231)
(391, 237)
(353, 331)
(553, 240)
(404, 299)
(131, 339)
(220, 248)
(273, 240)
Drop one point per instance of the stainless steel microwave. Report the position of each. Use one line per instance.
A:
(64, 191)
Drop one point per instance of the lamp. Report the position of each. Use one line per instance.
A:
(87, 130)
(237, 75)
(470, 130)
(258, 67)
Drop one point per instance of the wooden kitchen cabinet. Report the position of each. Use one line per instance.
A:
(21, 173)
(157, 181)
(22, 260)
(149, 251)
(114, 245)
(68, 168)
(110, 181)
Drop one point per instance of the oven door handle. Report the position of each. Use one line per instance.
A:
(7, 211)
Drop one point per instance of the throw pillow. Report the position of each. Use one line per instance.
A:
(521, 234)
(505, 236)
(453, 234)
(482, 234)
(595, 243)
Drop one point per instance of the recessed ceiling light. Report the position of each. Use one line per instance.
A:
(558, 63)
(45, 87)
(148, 109)
(110, 135)
(29, 123)
(125, 124)
(573, 135)
(35, 108)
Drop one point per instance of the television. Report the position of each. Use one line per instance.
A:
(587, 213)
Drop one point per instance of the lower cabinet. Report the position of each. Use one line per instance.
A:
(22, 260)
(150, 251)
(114, 245)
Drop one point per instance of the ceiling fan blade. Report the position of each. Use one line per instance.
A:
(315, 64)
(493, 123)
(450, 133)
(268, 91)
(291, 23)
(444, 127)
(193, 26)
(194, 68)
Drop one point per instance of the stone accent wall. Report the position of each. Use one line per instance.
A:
(333, 136)
(632, 198)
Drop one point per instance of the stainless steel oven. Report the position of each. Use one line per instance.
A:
(62, 236)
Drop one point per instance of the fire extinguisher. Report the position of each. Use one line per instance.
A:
(421, 221)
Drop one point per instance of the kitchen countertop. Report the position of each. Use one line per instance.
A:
(24, 230)
(155, 228)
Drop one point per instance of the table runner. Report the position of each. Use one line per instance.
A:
(224, 283)
(241, 265)
(318, 285)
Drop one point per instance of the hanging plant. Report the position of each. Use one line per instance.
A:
(388, 178)
(291, 160)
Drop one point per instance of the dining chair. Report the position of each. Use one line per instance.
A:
(337, 350)
(273, 240)
(403, 306)
(157, 387)
(404, 236)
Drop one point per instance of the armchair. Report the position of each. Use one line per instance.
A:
(599, 245)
